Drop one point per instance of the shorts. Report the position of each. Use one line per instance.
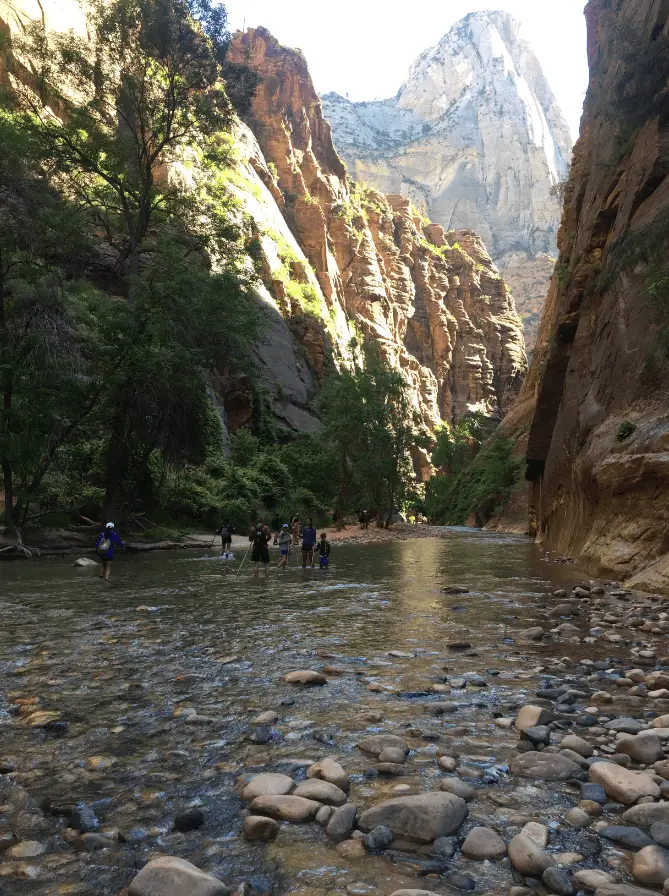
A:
(323, 562)
(308, 548)
(284, 552)
(226, 541)
(260, 554)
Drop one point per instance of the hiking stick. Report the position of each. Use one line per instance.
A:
(242, 563)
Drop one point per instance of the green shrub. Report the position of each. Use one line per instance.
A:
(625, 430)
(482, 487)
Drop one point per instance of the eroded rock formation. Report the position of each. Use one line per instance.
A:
(598, 448)
(476, 139)
(431, 300)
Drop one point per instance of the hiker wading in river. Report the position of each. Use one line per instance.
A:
(309, 539)
(259, 537)
(105, 549)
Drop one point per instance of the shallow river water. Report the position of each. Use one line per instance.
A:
(156, 678)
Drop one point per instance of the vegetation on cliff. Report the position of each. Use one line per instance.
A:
(475, 476)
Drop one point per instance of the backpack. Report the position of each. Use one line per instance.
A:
(104, 547)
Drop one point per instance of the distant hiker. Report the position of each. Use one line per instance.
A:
(309, 539)
(226, 532)
(105, 549)
(284, 545)
(259, 536)
(363, 519)
(276, 528)
(295, 530)
(323, 551)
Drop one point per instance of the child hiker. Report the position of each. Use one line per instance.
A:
(323, 551)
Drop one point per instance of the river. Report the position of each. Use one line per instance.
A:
(155, 680)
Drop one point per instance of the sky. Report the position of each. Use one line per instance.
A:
(364, 48)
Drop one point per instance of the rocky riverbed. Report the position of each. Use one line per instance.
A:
(452, 714)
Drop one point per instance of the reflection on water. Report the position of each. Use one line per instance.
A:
(215, 646)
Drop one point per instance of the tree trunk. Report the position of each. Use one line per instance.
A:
(117, 458)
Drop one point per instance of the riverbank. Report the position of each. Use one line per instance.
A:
(65, 542)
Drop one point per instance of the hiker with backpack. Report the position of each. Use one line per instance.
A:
(104, 547)
(259, 537)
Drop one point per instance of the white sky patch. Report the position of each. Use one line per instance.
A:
(364, 48)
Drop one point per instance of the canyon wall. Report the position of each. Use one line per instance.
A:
(597, 393)
(337, 263)
(431, 300)
(476, 139)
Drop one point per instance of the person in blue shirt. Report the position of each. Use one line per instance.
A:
(105, 549)
(309, 539)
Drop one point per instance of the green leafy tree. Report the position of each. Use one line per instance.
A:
(141, 93)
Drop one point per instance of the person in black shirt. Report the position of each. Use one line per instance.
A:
(259, 537)
(226, 533)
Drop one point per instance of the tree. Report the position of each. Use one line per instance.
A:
(138, 97)
(45, 393)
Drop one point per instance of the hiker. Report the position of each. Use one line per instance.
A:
(295, 529)
(323, 551)
(309, 539)
(104, 547)
(259, 536)
(284, 545)
(226, 533)
(276, 528)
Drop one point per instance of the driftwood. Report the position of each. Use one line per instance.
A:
(18, 549)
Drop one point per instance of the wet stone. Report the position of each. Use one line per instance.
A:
(629, 837)
(379, 837)
(188, 820)
(559, 881)
(257, 827)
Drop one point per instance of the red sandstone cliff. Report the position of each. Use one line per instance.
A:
(433, 301)
(598, 445)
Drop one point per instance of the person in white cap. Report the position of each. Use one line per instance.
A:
(285, 539)
(105, 549)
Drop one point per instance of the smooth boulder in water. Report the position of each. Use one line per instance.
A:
(424, 817)
(170, 876)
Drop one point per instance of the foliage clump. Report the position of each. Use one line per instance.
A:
(625, 430)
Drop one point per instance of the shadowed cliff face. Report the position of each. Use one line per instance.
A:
(476, 138)
(598, 448)
(431, 300)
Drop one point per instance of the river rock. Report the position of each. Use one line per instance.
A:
(537, 832)
(306, 677)
(188, 820)
(351, 849)
(535, 633)
(286, 808)
(645, 814)
(651, 866)
(557, 880)
(322, 791)
(537, 735)
(623, 890)
(544, 766)
(527, 857)
(590, 879)
(626, 725)
(26, 849)
(483, 843)
(324, 815)
(269, 717)
(623, 785)
(661, 768)
(341, 822)
(258, 827)
(330, 770)
(629, 837)
(423, 817)
(85, 563)
(644, 747)
(447, 763)
(267, 784)
(378, 838)
(660, 833)
(169, 876)
(530, 716)
(460, 788)
(392, 754)
(377, 743)
(577, 744)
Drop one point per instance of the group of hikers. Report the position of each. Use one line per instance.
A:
(287, 537)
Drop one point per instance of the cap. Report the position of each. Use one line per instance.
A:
(285, 525)
(109, 526)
